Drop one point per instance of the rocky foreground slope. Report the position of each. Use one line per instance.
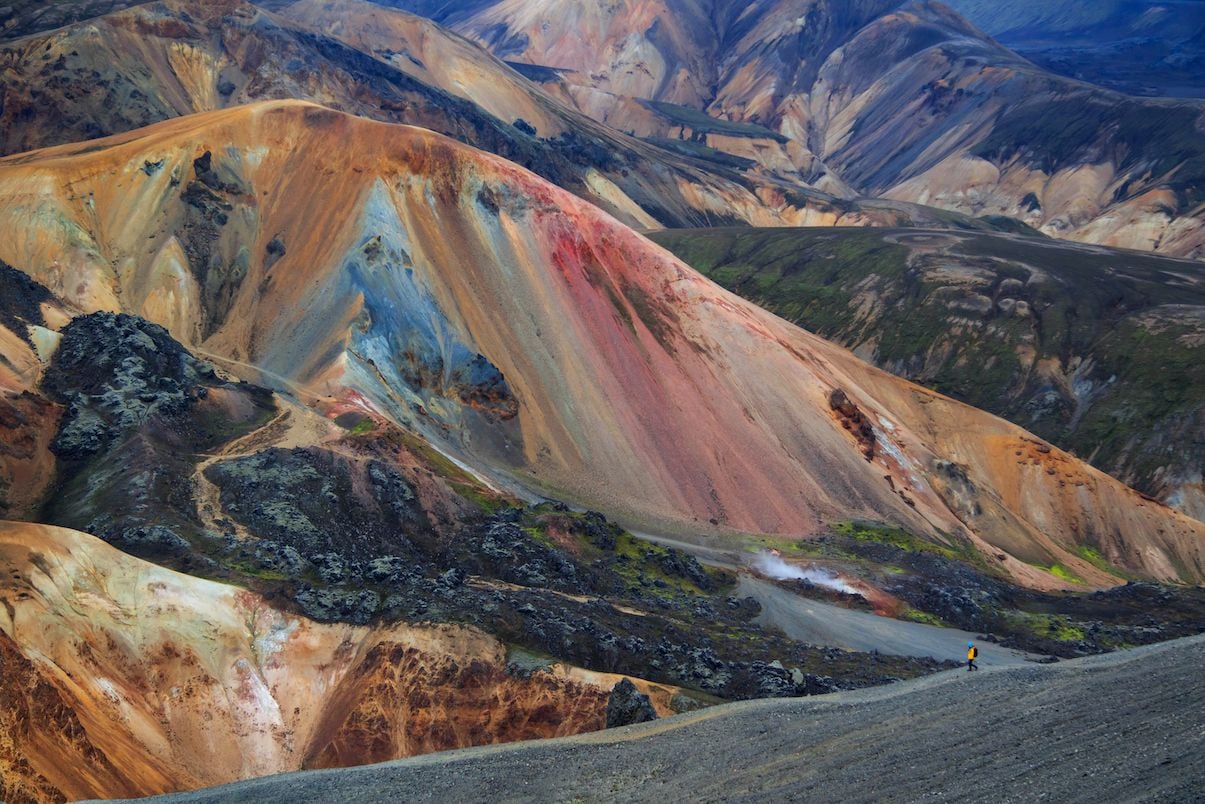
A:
(122, 678)
(1014, 734)
(532, 335)
(1098, 350)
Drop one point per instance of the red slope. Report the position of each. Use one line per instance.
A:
(631, 382)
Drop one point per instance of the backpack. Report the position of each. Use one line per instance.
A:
(974, 653)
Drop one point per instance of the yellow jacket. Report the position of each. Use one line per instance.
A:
(972, 653)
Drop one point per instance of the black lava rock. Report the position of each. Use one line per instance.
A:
(627, 705)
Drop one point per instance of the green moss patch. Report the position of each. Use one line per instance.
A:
(1062, 573)
(1045, 626)
(896, 538)
(918, 616)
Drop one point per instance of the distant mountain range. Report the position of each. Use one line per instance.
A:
(799, 102)
(161, 60)
(901, 100)
(1140, 47)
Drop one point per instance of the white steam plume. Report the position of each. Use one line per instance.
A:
(769, 564)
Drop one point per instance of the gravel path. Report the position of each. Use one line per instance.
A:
(1120, 727)
(821, 623)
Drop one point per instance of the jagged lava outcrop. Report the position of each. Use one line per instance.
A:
(540, 340)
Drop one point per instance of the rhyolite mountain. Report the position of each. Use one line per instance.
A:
(160, 60)
(1098, 350)
(537, 339)
(901, 100)
(354, 595)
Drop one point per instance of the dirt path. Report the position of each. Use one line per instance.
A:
(304, 396)
(819, 623)
(1127, 726)
(826, 624)
(294, 425)
(281, 383)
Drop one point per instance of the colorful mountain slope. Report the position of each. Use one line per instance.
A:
(1098, 350)
(540, 340)
(160, 60)
(904, 100)
(389, 604)
(122, 678)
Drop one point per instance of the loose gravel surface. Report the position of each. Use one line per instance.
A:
(1127, 726)
(820, 623)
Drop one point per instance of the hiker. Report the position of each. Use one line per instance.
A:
(972, 655)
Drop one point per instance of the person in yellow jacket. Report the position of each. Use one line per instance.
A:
(972, 655)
